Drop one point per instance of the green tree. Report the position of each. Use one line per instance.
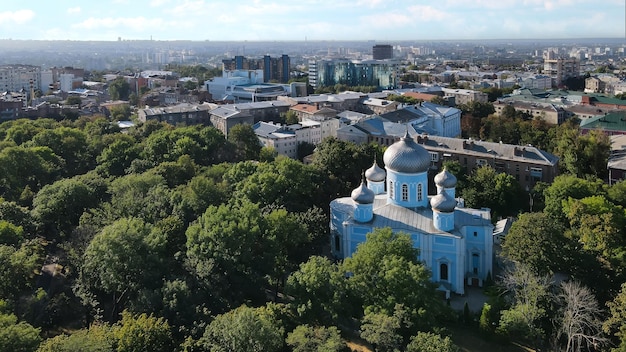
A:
(291, 117)
(58, 206)
(583, 155)
(538, 242)
(386, 272)
(429, 342)
(68, 143)
(305, 338)
(73, 100)
(246, 141)
(565, 186)
(17, 336)
(19, 268)
(97, 338)
(243, 329)
(120, 112)
(382, 330)
(116, 260)
(320, 291)
(10, 234)
(226, 250)
(138, 333)
(27, 168)
(498, 191)
(119, 89)
(117, 157)
(616, 322)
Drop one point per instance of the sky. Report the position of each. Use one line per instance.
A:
(286, 20)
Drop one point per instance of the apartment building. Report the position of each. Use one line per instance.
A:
(274, 69)
(282, 139)
(188, 114)
(550, 113)
(225, 117)
(561, 69)
(14, 78)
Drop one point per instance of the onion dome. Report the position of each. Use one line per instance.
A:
(375, 173)
(445, 179)
(406, 156)
(443, 202)
(362, 194)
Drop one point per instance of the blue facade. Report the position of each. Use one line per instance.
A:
(455, 243)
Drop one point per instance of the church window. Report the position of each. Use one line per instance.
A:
(337, 243)
(475, 234)
(419, 192)
(405, 192)
(443, 271)
(391, 189)
(475, 262)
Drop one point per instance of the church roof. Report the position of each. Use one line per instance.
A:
(443, 202)
(407, 156)
(362, 194)
(415, 220)
(375, 173)
(445, 179)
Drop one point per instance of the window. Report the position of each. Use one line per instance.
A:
(475, 234)
(475, 262)
(337, 243)
(419, 192)
(443, 272)
(391, 189)
(405, 192)
(481, 162)
(434, 157)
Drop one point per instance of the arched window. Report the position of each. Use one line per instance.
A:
(405, 192)
(443, 271)
(419, 192)
(391, 189)
(337, 243)
(475, 262)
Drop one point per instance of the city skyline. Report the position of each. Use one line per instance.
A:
(256, 20)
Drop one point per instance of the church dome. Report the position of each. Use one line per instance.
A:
(362, 194)
(443, 202)
(445, 179)
(407, 156)
(375, 173)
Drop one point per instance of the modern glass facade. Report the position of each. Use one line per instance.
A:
(382, 74)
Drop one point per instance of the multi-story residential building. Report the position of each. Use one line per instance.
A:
(282, 139)
(617, 159)
(379, 73)
(14, 78)
(594, 85)
(527, 164)
(188, 114)
(550, 113)
(465, 96)
(382, 52)
(274, 69)
(224, 117)
(377, 106)
(307, 131)
(561, 69)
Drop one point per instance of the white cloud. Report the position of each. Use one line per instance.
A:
(135, 23)
(73, 10)
(16, 17)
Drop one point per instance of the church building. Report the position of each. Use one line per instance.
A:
(454, 242)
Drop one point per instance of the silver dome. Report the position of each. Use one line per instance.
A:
(406, 156)
(375, 173)
(362, 194)
(443, 202)
(445, 179)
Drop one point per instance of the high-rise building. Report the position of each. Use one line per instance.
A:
(379, 73)
(382, 52)
(561, 69)
(274, 68)
(13, 78)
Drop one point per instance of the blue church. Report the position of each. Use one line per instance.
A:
(454, 242)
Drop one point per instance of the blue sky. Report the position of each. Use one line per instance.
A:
(252, 20)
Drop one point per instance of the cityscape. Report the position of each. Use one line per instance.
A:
(363, 176)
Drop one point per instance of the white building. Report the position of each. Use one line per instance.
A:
(16, 77)
(282, 139)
